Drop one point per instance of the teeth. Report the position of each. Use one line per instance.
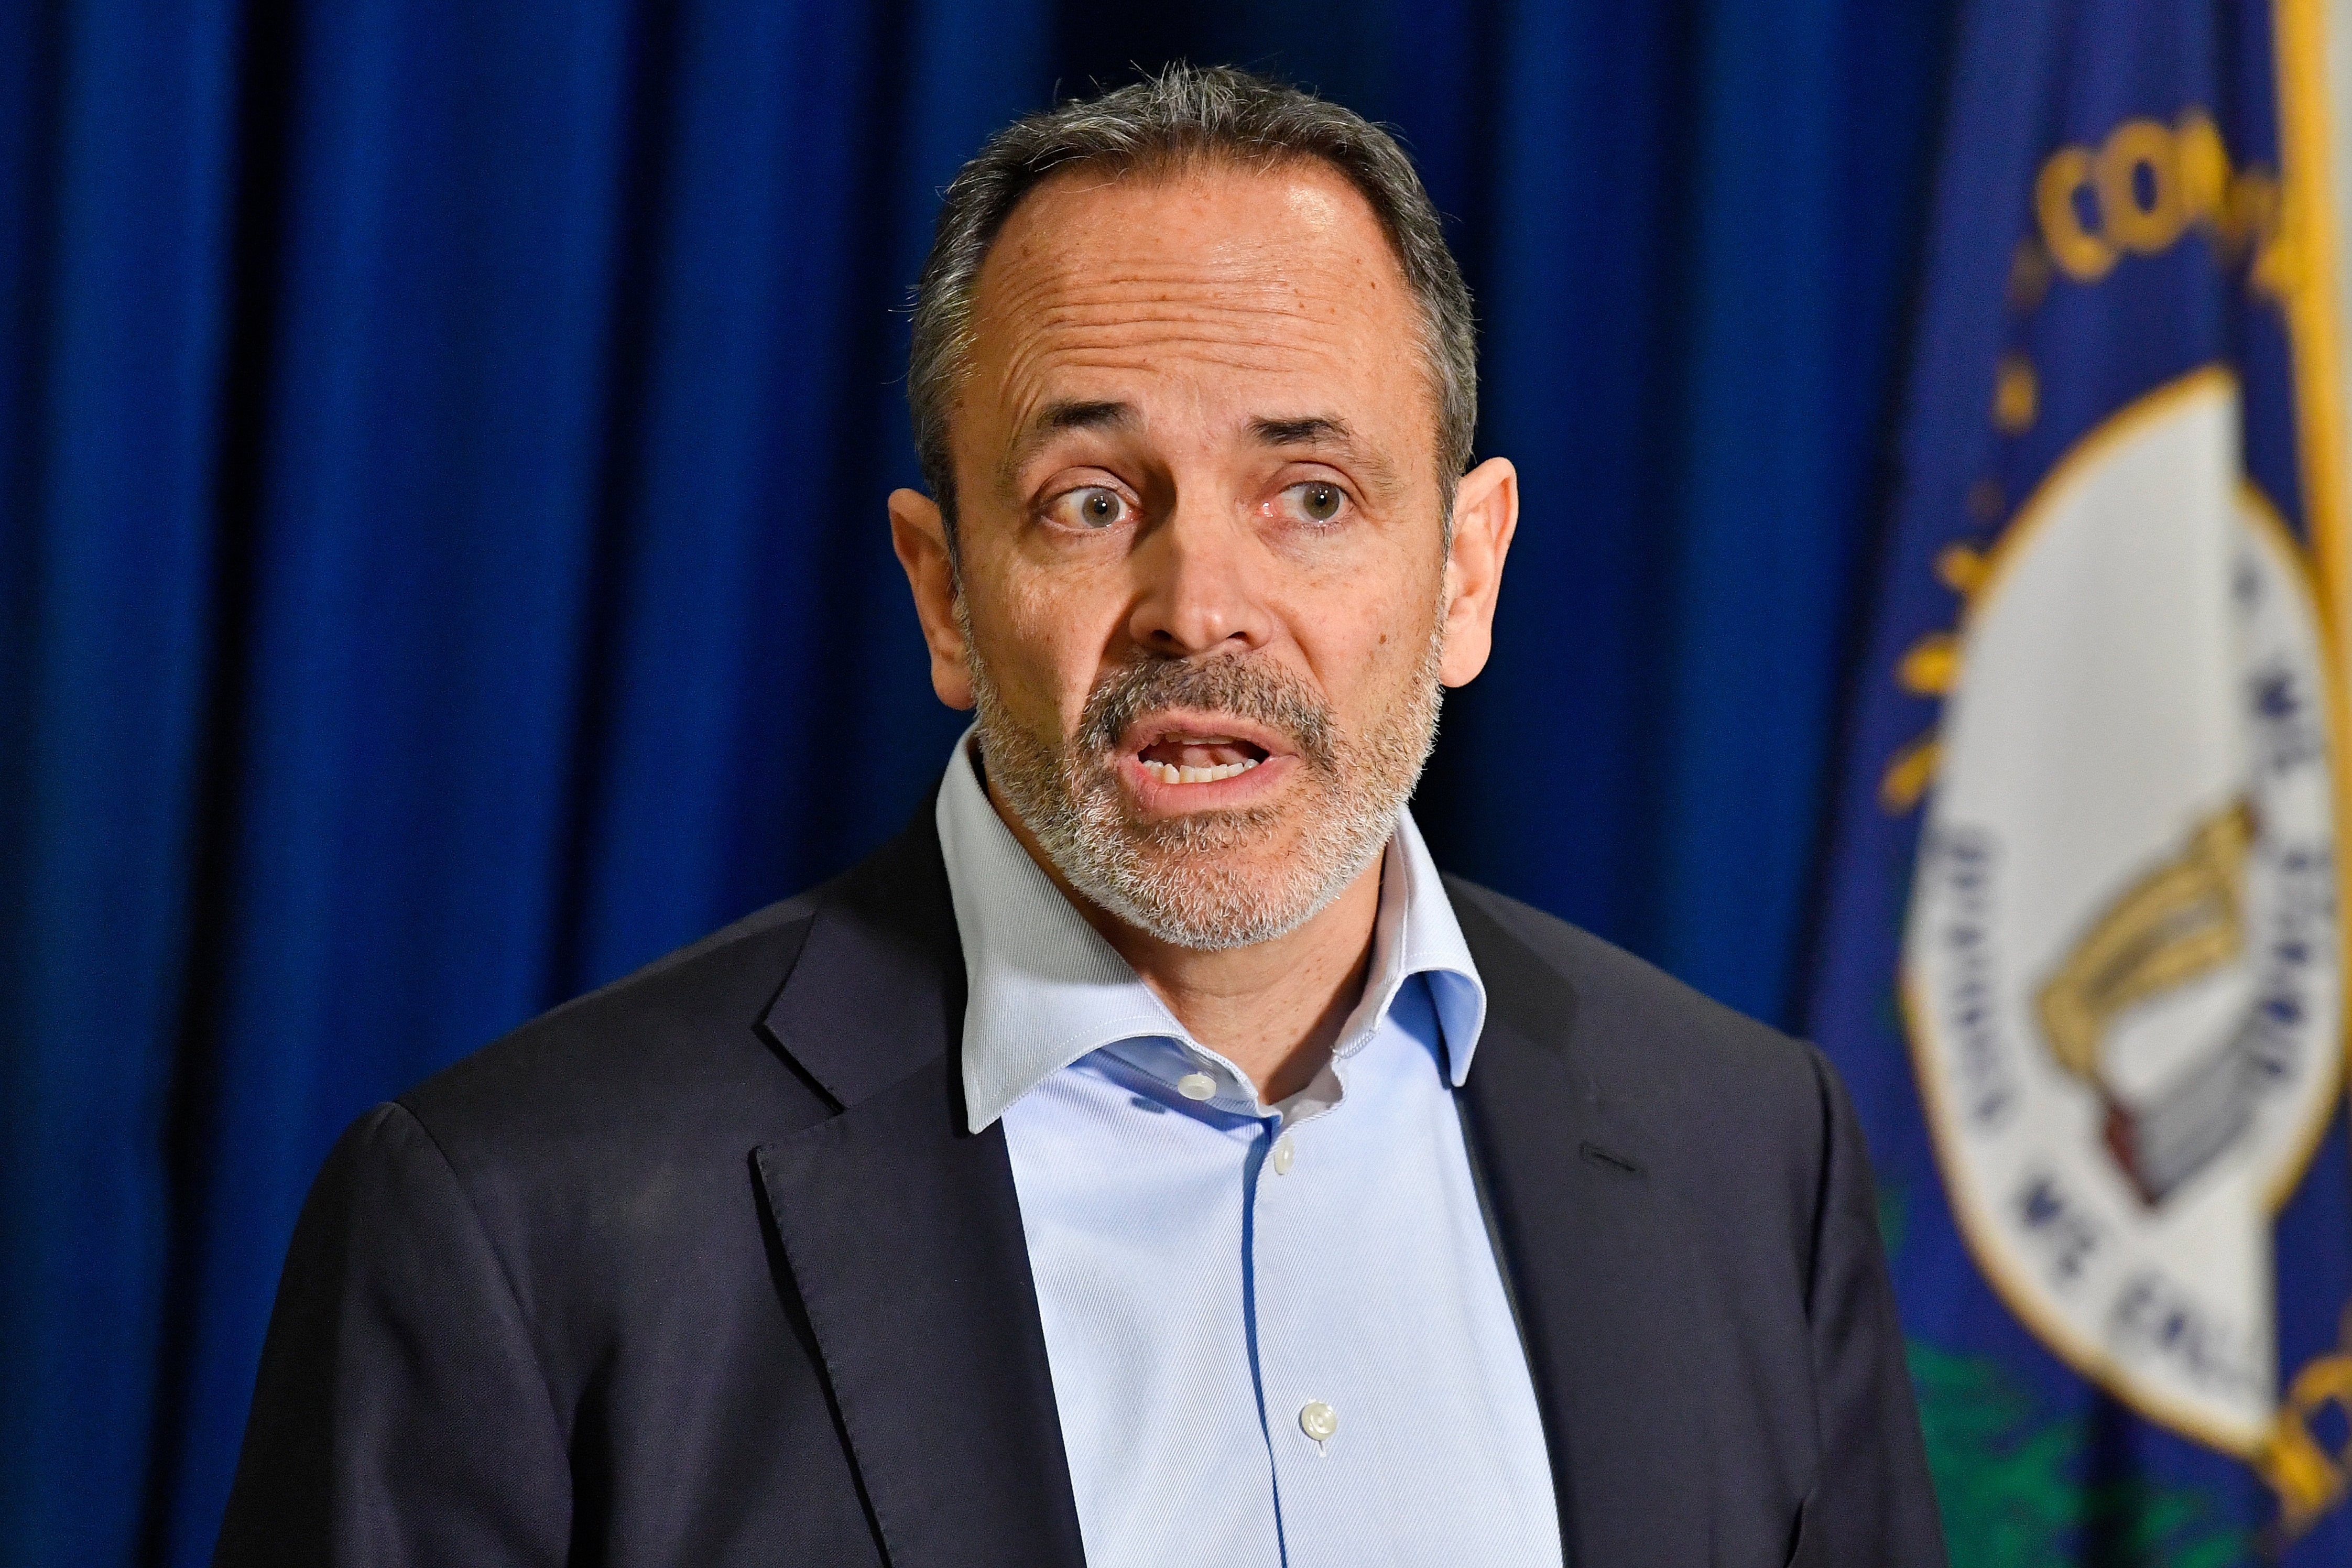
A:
(1169, 773)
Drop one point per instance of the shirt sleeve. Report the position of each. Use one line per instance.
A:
(400, 1417)
(1873, 1501)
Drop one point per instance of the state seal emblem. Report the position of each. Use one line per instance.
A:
(2123, 968)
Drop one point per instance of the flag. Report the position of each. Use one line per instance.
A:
(2082, 954)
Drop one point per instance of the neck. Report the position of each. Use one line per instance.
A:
(1274, 1009)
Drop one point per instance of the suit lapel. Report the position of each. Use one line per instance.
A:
(904, 1238)
(904, 1234)
(1590, 1235)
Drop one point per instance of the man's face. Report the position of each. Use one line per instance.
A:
(1205, 593)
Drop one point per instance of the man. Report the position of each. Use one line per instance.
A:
(1148, 1157)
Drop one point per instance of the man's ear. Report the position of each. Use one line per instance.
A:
(1486, 515)
(918, 534)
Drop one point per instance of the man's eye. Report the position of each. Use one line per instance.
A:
(1093, 507)
(1316, 501)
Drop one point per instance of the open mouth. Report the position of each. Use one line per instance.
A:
(1188, 758)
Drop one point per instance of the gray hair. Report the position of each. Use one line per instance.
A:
(1186, 115)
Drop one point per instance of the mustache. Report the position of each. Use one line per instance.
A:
(1235, 684)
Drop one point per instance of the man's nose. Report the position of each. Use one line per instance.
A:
(1198, 585)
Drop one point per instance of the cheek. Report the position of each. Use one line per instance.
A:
(1043, 640)
(1364, 645)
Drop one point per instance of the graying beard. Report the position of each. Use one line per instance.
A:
(1069, 798)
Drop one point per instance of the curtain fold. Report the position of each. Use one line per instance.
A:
(120, 133)
(443, 566)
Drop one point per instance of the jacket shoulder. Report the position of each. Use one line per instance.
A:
(1612, 987)
(676, 1042)
(1707, 1080)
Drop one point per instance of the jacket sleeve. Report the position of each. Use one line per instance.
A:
(399, 1416)
(1873, 1501)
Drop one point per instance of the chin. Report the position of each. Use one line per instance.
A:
(1214, 899)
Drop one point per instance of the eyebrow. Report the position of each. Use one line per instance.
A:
(1065, 413)
(1325, 431)
(1329, 433)
(1316, 430)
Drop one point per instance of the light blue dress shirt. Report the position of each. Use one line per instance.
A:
(1279, 1334)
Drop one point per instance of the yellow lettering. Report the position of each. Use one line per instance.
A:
(2251, 210)
(2305, 1479)
(2141, 190)
(1909, 774)
(2204, 166)
(2016, 393)
(1932, 666)
(2150, 226)
(1961, 568)
(2308, 1483)
(2281, 252)
(2080, 254)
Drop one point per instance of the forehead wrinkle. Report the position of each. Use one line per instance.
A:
(1035, 369)
(1177, 331)
(1146, 343)
(1157, 356)
(1113, 284)
(1112, 319)
(1295, 281)
(1127, 244)
(1122, 322)
(1264, 279)
(1220, 265)
(1062, 240)
(1112, 309)
(1068, 292)
(1030, 377)
(1111, 315)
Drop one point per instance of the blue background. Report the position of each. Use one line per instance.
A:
(443, 566)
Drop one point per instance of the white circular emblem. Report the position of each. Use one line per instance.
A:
(2122, 966)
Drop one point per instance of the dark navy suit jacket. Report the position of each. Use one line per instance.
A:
(703, 1270)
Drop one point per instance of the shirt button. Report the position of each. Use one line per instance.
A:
(1317, 1420)
(1284, 1152)
(1196, 1085)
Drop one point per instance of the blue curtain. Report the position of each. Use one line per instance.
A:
(442, 562)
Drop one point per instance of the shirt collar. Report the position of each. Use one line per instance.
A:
(1045, 989)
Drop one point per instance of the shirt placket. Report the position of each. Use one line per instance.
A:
(1303, 1383)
